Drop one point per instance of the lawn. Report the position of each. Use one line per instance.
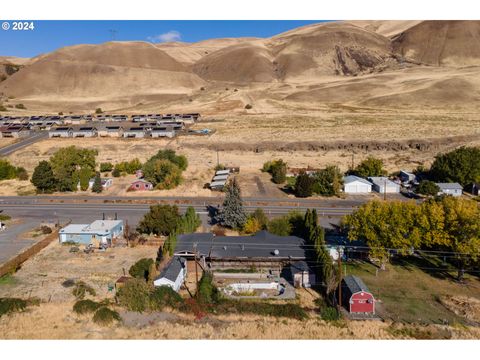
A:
(411, 288)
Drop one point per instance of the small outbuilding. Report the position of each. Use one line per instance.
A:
(356, 297)
(174, 274)
(140, 185)
(302, 274)
(406, 176)
(356, 185)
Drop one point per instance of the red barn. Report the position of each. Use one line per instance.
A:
(140, 185)
(356, 297)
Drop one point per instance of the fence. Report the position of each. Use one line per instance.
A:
(15, 262)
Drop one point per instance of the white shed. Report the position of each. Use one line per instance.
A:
(356, 185)
(382, 184)
(173, 275)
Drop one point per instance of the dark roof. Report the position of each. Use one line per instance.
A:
(261, 245)
(203, 240)
(173, 268)
(299, 266)
(354, 284)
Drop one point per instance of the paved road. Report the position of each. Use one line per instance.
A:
(34, 137)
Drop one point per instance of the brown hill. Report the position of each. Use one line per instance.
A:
(359, 63)
(106, 70)
(452, 43)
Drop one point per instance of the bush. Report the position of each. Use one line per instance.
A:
(207, 292)
(3, 108)
(106, 167)
(116, 172)
(329, 313)
(45, 229)
(280, 226)
(98, 111)
(11, 305)
(427, 187)
(85, 306)
(163, 174)
(105, 316)
(134, 295)
(251, 226)
(328, 181)
(5, 217)
(141, 269)
(304, 185)
(81, 289)
(371, 166)
(160, 220)
(7, 170)
(21, 173)
(163, 296)
(20, 106)
(248, 106)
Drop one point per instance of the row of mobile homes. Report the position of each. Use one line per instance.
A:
(14, 131)
(219, 180)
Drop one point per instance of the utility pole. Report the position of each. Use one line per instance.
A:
(218, 159)
(353, 161)
(340, 274)
(385, 189)
(196, 266)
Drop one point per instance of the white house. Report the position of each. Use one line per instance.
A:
(454, 189)
(356, 185)
(174, 274)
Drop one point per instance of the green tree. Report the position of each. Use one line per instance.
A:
(170, 155)
(160, 220)
(260, 216)
(84, 175)
(427, 187)
(97, 184)
(141, 269)
(460, 165)
(371, 166)
(189, 222)
(43, 178)
(162, 173)
(106, 167)
(116, 172)
(328, 181)
(280, 226)
(232, 214)
(304, 185)
(66, 164)
(7, 170)
(279, 172)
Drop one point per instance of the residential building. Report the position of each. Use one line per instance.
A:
(61, 132)
(406, 176)
(302, 274)
(110, 131)
(454, 189)
(100, 231)
(174, 274)
(135, 132)
(85, 131)
(162, 131)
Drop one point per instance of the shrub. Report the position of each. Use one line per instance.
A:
(7, 170)
(329, 313)
(11, 305)
(304, 185)
(251, 226)
(81, 289)
(248, 106)
(105, 316)
(45, 229)
(5, 217)
(106, 167)
(141, 269)
(98, 111)
(3, 108)
(85, 306)
(371, 166)
(207, 292)
(21, 173)
(20, 106)
(427, 187)
(97, 184)
(116, 172)
(328, 181)
(134, 295)
(165, 296)
(280, 226)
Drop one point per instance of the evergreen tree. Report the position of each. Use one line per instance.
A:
(304, 185)
(97, 184)
(43, 178)
(84, 176)
(232, 214)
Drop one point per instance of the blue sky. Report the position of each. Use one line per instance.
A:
(50, 35)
